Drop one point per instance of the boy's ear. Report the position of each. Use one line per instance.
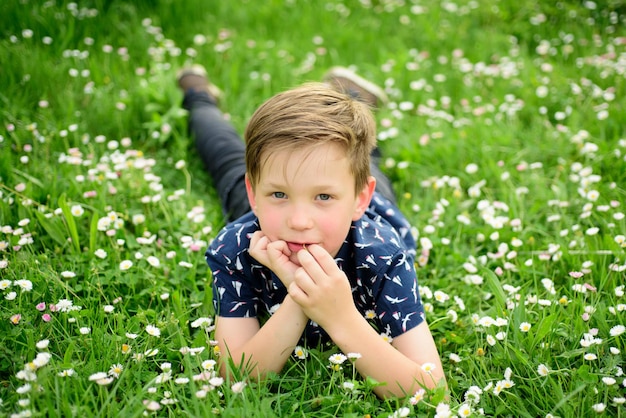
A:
(251, 196)
(364, 198)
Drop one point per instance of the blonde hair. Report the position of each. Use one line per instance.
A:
(306, 116)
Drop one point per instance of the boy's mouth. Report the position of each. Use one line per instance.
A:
(294, 247)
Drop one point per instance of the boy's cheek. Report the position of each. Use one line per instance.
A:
(266, 225)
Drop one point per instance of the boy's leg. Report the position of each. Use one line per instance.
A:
(345, 80)
(219, 146)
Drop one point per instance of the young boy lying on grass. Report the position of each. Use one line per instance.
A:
(316, 248)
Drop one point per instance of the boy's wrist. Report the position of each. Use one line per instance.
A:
(292, 306)
(340, 327)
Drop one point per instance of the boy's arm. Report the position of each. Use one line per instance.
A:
(324, 293)
(260, 349)
(399, 364)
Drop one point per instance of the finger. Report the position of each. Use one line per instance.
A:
(323, 259)
(258, 244)
(279, 246)
(256, 237)
(258, 248)
(297, 294)
(278, 250)
(310, 265)
(304, 280)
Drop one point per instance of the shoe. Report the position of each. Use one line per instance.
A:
(347, 81)
(195, 78)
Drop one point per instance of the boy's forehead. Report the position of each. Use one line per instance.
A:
(285, 164)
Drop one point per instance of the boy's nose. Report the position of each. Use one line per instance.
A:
(299, 219)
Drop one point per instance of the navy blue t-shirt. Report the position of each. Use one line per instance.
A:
(377, 256)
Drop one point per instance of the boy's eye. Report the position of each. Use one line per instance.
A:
(323, 196)
(279, 195)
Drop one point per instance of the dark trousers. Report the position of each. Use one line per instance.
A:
(223, 153)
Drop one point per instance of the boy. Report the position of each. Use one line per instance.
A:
(316, 249)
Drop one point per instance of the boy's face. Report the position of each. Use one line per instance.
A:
(307, 197)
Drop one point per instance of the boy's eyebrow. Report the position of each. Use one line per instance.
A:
(271, 185)
(329, 187)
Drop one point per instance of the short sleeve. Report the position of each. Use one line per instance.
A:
(232, 294)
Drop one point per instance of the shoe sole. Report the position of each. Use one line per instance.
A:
(368, 86)
(198, 70)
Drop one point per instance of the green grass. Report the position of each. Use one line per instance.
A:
(532, 93)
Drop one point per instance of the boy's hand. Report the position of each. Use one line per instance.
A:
(273, 255)
(321, 288)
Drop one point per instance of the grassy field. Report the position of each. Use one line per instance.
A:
(504, 137)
